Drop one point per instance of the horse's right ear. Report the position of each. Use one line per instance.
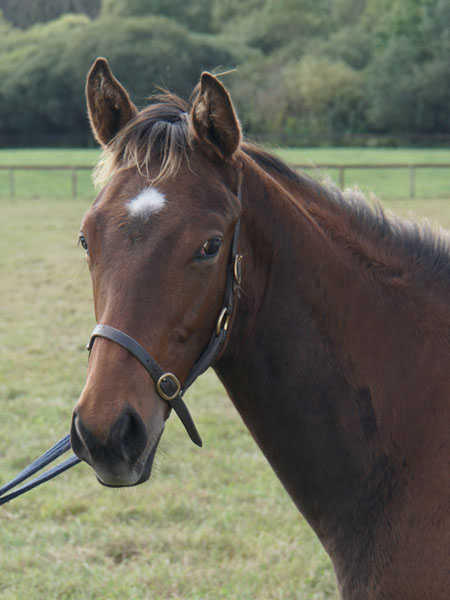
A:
(109, 106)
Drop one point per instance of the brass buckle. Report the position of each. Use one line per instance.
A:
(222, 321)
(237, 268)
(174, 380)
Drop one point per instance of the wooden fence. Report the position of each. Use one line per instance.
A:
(341, 168)
(412, 168)
(72, 170)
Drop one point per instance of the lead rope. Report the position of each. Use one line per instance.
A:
(52, 454)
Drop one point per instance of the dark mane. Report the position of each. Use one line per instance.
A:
(382, 241)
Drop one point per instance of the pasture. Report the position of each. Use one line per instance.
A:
(213, 522)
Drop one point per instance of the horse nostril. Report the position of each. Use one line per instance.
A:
(76, 440)
(129, 435)
(127, 440)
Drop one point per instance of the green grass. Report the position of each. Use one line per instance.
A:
(212, 523)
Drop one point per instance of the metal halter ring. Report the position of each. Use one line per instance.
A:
(237, 268)
(222, 321)
(162, 380)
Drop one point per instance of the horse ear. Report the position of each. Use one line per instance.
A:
(109, 106)
(214, 119)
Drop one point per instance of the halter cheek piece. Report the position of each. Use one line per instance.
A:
(166, 383)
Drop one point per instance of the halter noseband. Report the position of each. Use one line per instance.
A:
(166, 383)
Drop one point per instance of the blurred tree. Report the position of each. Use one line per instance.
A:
(231, 14)
(309, 69)
(149, 51)
(328, 93)
(36, 86)
(408, 78)
(24, 13)
(313, 98)
(42, 75)
(195, 14)
(274, 25)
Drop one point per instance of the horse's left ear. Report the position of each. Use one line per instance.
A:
(214, 119)
(109, 105)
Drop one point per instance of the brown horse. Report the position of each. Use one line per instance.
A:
(338, 347)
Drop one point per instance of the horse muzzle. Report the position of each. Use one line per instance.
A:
(125, 458)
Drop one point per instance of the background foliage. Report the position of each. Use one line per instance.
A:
(308, 70)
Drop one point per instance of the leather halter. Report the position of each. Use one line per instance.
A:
(167, 384)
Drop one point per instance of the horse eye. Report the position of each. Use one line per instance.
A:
(210, 248)
(83, 242)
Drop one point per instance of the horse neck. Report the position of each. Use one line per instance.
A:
(280, 366)
(309, 372)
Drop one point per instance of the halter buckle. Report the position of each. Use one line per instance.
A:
(168, 386)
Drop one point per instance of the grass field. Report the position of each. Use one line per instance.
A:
(213, 523)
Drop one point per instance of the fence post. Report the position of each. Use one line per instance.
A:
(12, 187)
(341, 177)
(74, 182)
(412, 182)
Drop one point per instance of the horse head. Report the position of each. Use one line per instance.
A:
(157, 241)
